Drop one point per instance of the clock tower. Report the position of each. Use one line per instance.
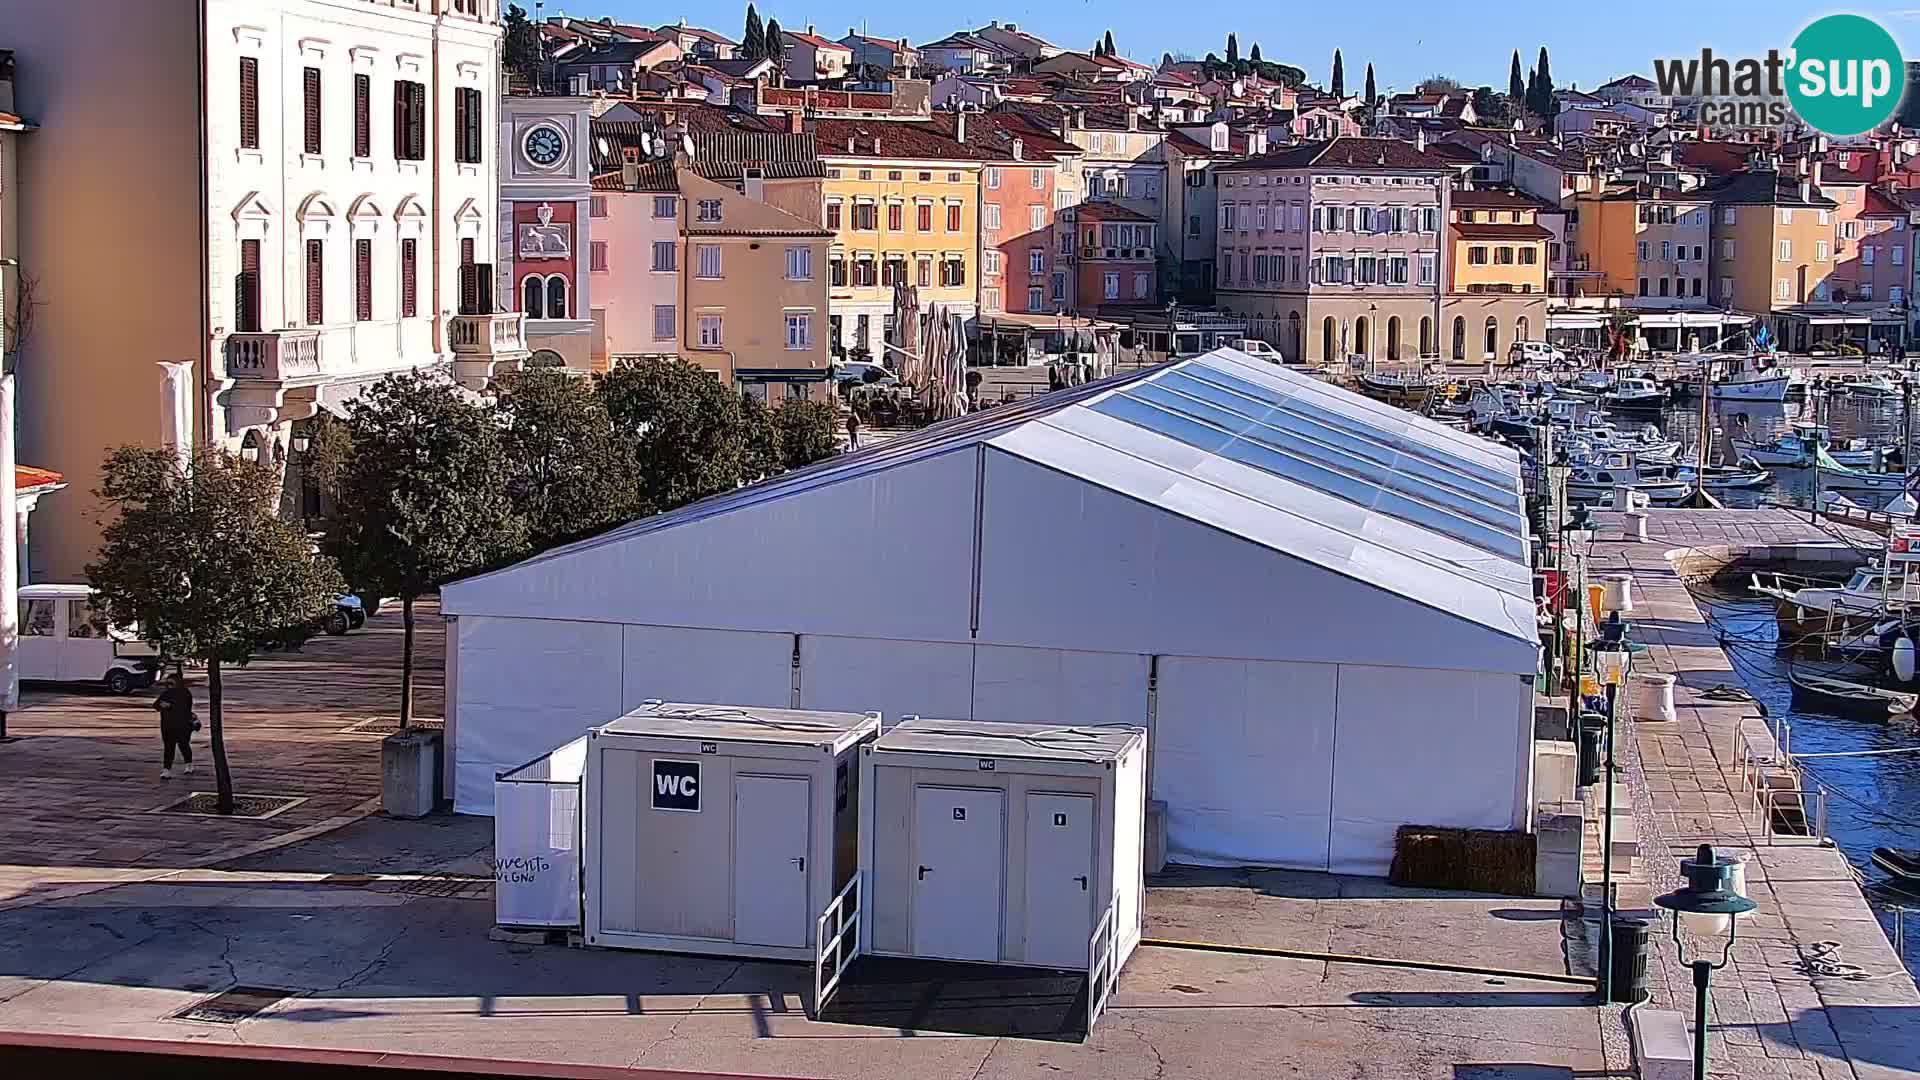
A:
(546, 222)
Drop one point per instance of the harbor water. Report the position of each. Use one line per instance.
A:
(1849, 416)
(1872, 801)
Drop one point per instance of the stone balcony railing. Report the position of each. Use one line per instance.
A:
(275, 356)
(484, 346)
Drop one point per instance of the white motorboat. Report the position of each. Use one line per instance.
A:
(1793, 448)
(1593, 381)
(1806, 610)
(1863, 384)
(1835, 477)
(1595, 479)
(1635, 394)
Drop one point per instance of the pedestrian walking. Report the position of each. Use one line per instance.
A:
(175, 706)
(853, 431)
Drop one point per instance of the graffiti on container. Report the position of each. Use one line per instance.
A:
(520, 870)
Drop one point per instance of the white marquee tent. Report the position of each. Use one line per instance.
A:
(1318, 604)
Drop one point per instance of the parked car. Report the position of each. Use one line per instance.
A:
(64, 638)
(1259, 350)
(1535, 352)
(348, 614)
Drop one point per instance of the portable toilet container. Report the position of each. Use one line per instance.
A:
(1004, 843)
(719, 829)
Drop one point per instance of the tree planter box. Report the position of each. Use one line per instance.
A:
(410, 773)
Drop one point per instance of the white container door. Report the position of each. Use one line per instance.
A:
(1059, 880)
(960, 846)
(41, 636)
(770, 816)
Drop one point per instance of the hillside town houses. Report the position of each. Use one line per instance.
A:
(384, 185)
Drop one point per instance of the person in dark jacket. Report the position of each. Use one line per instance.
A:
(175, 705)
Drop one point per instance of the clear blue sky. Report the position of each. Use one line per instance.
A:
(1406, 40)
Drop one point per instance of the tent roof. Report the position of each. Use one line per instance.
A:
(1359, 488)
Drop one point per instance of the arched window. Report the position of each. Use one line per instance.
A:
(1360, 343)
(1459, 337)
(1427, 345)
(533, 297)
(1520, 328)
(1326, 340)
(556, 297)
(1493, 338)
(1393, 338)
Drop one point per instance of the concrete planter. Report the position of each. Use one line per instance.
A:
(410, 773)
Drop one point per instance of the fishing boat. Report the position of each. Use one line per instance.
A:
(1835, 477)
(1839, 697)
(1407, 389)
(1635, 395)
(1806, 611)
(1794, 448)
(1863, 384)
(1901, 864)
(1594, 479)
(1752, 380)
(1744, 477)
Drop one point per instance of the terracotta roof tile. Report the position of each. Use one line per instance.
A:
(1345, 153)
(1488, 230)
(26, 478)
(890, 139)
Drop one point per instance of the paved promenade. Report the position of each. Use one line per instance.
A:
(1771, 1017)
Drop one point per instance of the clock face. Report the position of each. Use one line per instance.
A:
(544, 146)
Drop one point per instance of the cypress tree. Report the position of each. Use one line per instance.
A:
(1255, 54)
(753, 43)
(1516, 86)
(1371, 96)
(1107, 44)
(1546, 85)
(1339, 87)
(1233, 49)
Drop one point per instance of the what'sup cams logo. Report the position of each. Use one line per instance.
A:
(1843, 75)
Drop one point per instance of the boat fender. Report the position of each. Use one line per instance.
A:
(1903, 659)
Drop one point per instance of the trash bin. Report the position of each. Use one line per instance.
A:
(1628, 951)
(1593, 736)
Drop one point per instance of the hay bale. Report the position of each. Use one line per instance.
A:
(1469, 860)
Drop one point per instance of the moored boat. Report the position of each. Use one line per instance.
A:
(1841, 697)
(1409, 390)
(1901, 864)
(1808, 612)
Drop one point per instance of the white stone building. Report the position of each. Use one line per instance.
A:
(280, 195)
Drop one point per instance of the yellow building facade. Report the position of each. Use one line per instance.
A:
(902, 201)
(1496, 275)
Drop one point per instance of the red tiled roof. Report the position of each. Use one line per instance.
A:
(1496, 199)
(1100, 210)
(26, 478)
(992, 135)
(706, 35)
(1484, 230)
(1718, 158)
(1345, 153)
(896, 139)
(814, 40)
(1880, 203)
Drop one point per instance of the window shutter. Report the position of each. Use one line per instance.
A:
(312, 95)
(250, 102)
(246, 315)
(362, 116)
(363, 280)
(400, 99)
(409, 281)
(316, 282)
(418, 142)
(469, 280)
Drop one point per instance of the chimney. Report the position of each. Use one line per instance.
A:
(960, 124)
(876, 144)
(1019, 148)
(809, 29)
(796, 123)
(630, 175)
(851, 32)
(1806, 188)
(1420, 140)
(1133, 119)
(1079, 118)
(753, 184)
(849, 144)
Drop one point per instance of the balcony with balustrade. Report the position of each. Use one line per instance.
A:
(274, 375)
(486, 346)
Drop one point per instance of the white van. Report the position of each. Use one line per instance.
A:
(63, 638)
(1259, 350)
(1535, 352)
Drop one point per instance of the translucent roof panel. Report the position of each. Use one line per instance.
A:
(1364, 463)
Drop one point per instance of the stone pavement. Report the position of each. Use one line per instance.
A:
(80, 780)
(1770, 1017)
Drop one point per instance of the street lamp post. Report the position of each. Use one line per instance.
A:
(1610, 663)
(1706, 893)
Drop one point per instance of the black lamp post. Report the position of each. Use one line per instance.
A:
(1610, 664)
(1707, 892)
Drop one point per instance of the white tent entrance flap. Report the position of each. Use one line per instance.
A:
(536, 840)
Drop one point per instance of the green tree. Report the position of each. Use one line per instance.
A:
(776, 47)
(1489, 108)
(423, 497)
(1339, 82)
(753, 43)
(567, 474)
(1233, 49)
(760, 455)
(809, 431)
(1106, 43)
(682, 427)
(1255, 54)
(1373, 97)
(522, 46)
(197, 557)
(1516, 85)
(1540, 88)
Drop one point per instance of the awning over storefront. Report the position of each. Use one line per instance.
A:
(1682, 319)
(1575, 320)
(1840, 320)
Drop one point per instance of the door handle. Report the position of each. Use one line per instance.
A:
(923, 872)
(1082, 879)
(801, 862)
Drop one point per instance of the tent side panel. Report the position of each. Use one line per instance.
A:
(1416, 747)
(1111, 573)
(525, 686)
(896, 677)
(888, 554)
(1242, 754)
(727, 667)
(1058, 686)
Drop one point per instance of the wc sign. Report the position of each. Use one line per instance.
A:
(676, 785)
